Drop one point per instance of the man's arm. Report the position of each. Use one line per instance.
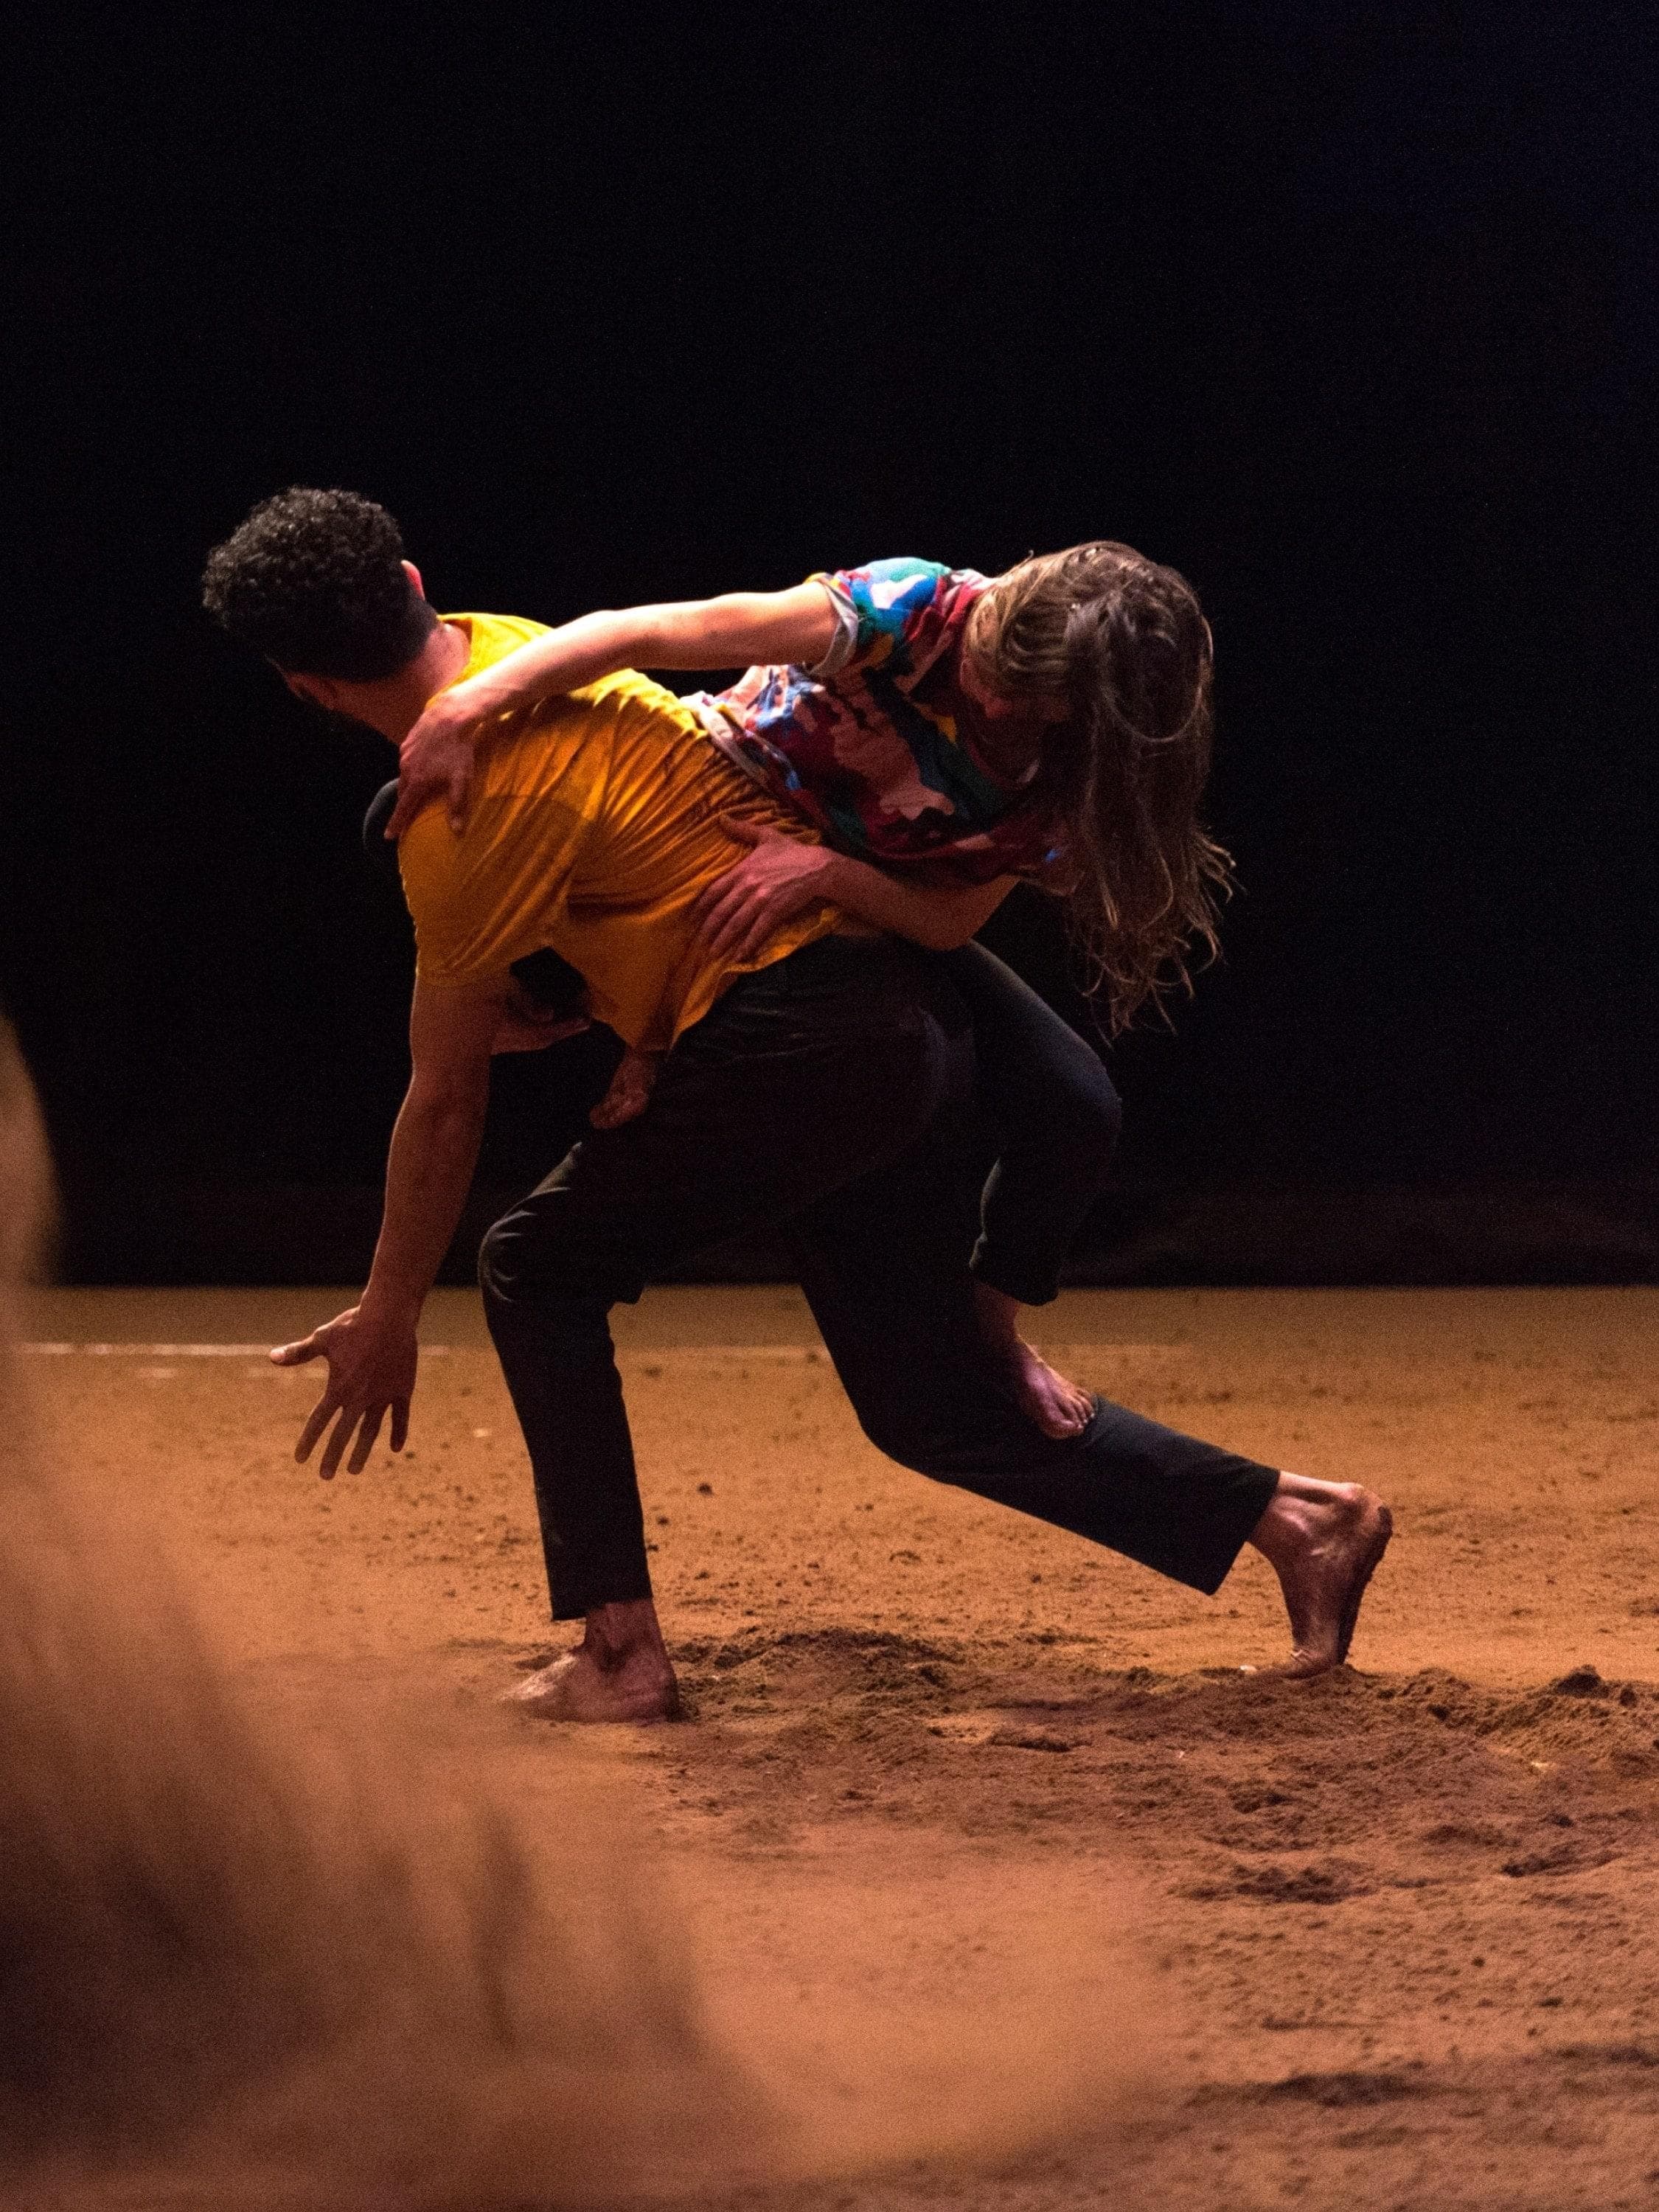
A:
(371, 1349)
(737, 630)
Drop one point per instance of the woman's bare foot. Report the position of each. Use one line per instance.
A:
(620, 1671)
(1061, 1408)
(630, 1089)
(1325, 1540)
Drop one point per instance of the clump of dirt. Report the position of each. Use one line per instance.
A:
(1579, 1717)
(1343, 2091)
(1029, 1739)
(1326, 1883)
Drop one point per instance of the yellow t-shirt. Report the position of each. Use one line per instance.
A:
(593, 831)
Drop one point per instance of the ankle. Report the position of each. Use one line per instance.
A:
(1281, 1532)
(614, 1634)
(999, 1314)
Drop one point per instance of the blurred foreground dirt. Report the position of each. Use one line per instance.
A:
(1401, 1918)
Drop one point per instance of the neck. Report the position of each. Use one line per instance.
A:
(395, 705)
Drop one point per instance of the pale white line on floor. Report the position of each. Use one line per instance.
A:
(179, 1351)
(784, 1354)
(798, 1354)
(1093, 1344)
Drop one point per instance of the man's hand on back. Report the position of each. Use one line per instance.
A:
(371, 1372)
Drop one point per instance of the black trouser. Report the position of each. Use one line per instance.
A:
(1056, 1116)
(818, 1094)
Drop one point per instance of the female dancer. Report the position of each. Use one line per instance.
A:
(946, 735)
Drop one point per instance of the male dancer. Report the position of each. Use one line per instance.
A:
(804, 1083)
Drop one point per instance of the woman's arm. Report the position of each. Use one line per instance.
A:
(783, 874)
(737, 630)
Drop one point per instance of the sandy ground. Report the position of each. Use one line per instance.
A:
(1398, 1921)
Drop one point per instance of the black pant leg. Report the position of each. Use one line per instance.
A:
(885, 1270)
(1056, 1118)
(799, 1080)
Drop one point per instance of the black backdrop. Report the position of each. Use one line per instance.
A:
(1347, 310)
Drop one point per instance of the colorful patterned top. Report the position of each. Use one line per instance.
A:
(878, 745)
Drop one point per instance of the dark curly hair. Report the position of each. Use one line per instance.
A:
(1121, 642)
(314, 580)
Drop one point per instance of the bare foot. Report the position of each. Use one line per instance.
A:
(577, 1688)
(1060, 1408)
(1325, 1540)
(630, 1089)
(620, 1671)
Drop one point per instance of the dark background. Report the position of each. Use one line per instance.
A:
(1347, 312)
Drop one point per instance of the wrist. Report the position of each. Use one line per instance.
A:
(390, 1310)
(475, 702)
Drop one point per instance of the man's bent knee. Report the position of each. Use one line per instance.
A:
(498, 1257)
(532, 1276)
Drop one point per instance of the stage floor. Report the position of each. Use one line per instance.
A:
(1400, 1919)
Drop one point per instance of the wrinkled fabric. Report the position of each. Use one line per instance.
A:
(594, 825)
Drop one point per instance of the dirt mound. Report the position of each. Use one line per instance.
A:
(860, 1672)
(1579, 1717)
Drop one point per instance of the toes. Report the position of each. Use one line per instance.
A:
(542, 1700)
(1052, 1402)
(1059, 1410)
(1061, 1416)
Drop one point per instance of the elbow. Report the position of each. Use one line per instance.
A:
(676, 635)
(944, 934)
(450, 1105)
(644, 644)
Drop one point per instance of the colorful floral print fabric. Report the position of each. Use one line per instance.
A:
(879, 745)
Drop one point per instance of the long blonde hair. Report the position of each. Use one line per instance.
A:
(1122, 642)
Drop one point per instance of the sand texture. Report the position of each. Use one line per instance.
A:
(1396, 1924)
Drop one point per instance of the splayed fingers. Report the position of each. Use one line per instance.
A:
(371, 1373)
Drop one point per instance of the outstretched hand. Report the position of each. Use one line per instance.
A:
(371, 1372)
(781, 876)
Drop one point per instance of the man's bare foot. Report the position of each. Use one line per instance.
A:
(1061, 1408)
(1325, 1540)
(577, 1688)
(630, 1089)
(620, 1671)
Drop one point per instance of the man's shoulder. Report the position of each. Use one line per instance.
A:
(490, 637)
(531, 778)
